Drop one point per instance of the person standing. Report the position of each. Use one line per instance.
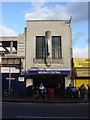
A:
(37, 90)
(58, 89)
(32, 90)
(88, 90)
(69, 92)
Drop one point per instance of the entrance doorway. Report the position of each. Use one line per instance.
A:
(49, 81)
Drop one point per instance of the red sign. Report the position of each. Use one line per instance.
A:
(10, 78)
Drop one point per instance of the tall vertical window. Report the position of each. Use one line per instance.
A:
(40, 47)
(56, 47)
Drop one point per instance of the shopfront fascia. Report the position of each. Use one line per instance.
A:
(48, 72)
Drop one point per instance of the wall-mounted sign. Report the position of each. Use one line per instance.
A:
(35, 72)
(81, 62)
(21, 79)
(10, 70)
(10, 78)
(83, 73)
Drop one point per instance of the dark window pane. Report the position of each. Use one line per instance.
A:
(56, 47)
(40, 47)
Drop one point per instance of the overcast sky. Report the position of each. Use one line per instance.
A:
(15, 14)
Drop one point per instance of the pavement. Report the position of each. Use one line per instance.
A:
(40, 100)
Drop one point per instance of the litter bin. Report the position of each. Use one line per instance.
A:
(51, 94)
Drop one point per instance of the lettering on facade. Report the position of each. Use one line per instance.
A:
(32, 72)
(49, 72)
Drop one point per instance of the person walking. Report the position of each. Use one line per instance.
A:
(41, 89)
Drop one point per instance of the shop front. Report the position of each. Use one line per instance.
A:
(81, 72)
(49, 78)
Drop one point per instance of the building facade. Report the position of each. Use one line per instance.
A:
(44, 51)
(81, 72)
(13, 65)
(49, 52)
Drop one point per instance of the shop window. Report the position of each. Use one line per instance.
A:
(40, 47)
(56, 47)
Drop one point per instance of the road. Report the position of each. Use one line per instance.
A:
(44, 110)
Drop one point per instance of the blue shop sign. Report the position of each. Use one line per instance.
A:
(36, 72)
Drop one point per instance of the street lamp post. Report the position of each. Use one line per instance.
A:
(9, 81)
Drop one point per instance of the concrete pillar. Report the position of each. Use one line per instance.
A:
(11, 47)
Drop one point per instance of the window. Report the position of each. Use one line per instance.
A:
(40, 47)
(56, 47)
(6, 46)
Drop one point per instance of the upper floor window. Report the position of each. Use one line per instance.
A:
(7, 46)
(40, 47)
(56, 47)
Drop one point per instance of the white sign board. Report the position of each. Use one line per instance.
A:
(9, 70)
(21, 79)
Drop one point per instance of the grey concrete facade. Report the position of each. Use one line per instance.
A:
(57, 28)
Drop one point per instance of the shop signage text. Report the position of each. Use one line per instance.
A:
(35, 72)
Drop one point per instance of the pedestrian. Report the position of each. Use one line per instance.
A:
(82, 91)
(32, 90)
(37, 90)
(41, 89)
(69, 92)
(88, 90)
(58, 89)
(78, 92)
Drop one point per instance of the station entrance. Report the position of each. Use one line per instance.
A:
(49, 81)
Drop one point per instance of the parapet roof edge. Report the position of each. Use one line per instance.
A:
(9, 36)
(46, 20)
